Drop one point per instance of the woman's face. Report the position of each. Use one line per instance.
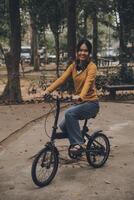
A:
(83, 53)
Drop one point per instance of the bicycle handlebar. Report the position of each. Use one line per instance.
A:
(57, 97)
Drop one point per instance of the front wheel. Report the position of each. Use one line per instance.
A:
(98, 149)
(45, 166)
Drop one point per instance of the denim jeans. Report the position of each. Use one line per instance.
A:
(70, 124)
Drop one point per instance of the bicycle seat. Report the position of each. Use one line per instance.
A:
(91, 117)
(85, 122)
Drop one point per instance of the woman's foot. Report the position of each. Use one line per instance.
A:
(77, 149)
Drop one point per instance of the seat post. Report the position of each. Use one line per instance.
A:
(85, 123)
(85, 128)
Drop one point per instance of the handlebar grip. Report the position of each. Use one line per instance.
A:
(47, 96)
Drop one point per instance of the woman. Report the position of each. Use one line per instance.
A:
(83, 72)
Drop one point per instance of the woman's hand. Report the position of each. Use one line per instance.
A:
(76, 98)
(46, 94)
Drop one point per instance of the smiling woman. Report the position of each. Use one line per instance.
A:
(83, 71)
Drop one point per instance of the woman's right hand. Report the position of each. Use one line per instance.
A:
(46, 94)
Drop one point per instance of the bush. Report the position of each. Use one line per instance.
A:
(101, 81)
(126, 75)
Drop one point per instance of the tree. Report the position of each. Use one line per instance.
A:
(71, 24)
(12, 91)
(34, 43)
(125, 9)
(51, 14)
(56, 15)
(4, 23)
(32, 9)
(92, 9)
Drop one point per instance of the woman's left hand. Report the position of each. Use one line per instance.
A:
(76, 98)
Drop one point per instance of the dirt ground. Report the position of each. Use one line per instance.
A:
(23, 128)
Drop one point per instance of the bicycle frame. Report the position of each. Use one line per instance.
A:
(56, 119)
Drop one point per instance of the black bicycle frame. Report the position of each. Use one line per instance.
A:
(56, 119)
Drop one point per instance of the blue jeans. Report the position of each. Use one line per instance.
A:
(70, 124)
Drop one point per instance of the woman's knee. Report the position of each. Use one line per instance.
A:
(62, 125)
(68, 114)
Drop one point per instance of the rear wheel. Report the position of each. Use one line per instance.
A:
(44, 166)
(98, 149)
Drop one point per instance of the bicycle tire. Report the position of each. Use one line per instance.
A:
(96, 150)
(49, 160)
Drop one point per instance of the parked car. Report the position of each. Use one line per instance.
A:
(110, 53)
(25, 53)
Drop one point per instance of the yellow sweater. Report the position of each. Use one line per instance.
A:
(84, 82)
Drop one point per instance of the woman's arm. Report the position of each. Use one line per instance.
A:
(60, 80)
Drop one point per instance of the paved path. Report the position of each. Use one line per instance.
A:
(15, 117)
(73, 181)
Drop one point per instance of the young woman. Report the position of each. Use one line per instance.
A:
(83, 72)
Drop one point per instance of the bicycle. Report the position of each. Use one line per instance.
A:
(97, 152)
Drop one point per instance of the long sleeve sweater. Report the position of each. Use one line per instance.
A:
(84, 82)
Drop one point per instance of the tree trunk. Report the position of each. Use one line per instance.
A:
(46, 54)
(71, 20)
(34, 46)
(36, 54)
(32, 41)
(95, 36)
(56, 36)
(85, 24)
(122, 35)
(12, 91)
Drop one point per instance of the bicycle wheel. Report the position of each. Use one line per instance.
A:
(44, 167)
(97, 150)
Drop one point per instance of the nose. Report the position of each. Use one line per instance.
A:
(83, 51)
